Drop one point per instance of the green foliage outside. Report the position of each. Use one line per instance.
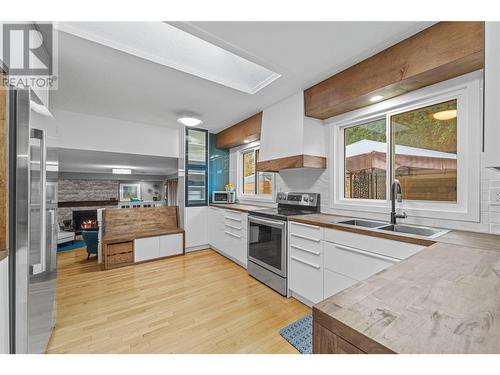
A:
(415, 129)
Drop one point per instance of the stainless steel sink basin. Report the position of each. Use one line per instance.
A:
(417, 231)
(363, 223)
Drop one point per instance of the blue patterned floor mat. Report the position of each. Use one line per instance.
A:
(299, 334)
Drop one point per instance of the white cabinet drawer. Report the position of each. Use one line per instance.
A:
(306, 278)
(354, 263)
(233, 215)
(146, 248)
(394, 249)
(306, 231)
(305, 243)
(307, 254)
(335, 283)
(235, 228)
(171, 245)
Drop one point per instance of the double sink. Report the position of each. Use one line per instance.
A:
(396, 228)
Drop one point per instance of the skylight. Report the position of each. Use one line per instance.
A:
(167, 45)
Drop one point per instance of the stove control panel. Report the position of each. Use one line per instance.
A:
(298, 199)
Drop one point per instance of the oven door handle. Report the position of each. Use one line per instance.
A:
(273, 223)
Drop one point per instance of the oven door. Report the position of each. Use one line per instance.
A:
(267, 243)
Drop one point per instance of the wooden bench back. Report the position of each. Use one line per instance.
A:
(128, 220)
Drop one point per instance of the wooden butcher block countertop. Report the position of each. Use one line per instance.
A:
(444, 299)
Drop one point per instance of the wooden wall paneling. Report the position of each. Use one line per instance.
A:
(124, 221)
(440, 52)
(290, 162)
(248, 129)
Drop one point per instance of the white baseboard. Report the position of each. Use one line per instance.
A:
(228, 257)
(298, 297)
(197, 248)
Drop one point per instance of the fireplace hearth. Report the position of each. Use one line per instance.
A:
(84, 220)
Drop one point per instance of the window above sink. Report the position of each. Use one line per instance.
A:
(429, 139)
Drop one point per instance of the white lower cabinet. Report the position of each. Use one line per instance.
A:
(335, 282)
(157, 247)
(228, 233)
(323, 262)
(305, 266)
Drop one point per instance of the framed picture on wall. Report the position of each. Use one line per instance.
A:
(130, 192)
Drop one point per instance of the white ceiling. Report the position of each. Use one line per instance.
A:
(83, 161)
(99, 80)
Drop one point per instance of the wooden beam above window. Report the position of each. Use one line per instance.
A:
(243, 132)
(440, 52)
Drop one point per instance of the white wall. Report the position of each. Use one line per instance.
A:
(196, 227)
(282, 128)
(4, 306)
(86, 132)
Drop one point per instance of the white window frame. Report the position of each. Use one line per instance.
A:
(239, 185)
(467, 90)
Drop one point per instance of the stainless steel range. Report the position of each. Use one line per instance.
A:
(267, 237)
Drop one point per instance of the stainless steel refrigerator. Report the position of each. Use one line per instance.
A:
(33, 229)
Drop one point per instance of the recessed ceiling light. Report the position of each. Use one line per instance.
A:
(445, 115)
(246, 141)
(376, 98)
(189, 121)
(121, 171)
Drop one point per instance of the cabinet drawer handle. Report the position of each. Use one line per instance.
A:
(232, 226)
(304, 262)
(306, 250)
(232, 234)
(368, 253)
(232, 218)
(304, 237)
(305, 225)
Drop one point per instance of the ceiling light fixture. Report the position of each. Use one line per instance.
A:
(445, 115)
(189, 121)
(121, 171)
(246, 141)
(376, 98)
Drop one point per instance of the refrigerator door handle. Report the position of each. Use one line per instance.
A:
(42, 266)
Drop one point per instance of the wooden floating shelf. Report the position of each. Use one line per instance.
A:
(236, 135)
(438, 53)
(292, 162)
(88, 203)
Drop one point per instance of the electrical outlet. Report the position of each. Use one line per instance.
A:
(495, 196)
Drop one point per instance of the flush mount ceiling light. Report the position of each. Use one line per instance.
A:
(170, 46)
(246, 141)
(189, 121)
(376, 98)
(445, 115)
(121, 171)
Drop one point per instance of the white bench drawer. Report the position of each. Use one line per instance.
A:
(335, 283)
(146, 248)
(171, 245)
(391, 248)
(354, 263)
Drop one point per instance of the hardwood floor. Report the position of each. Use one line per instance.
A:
(197, 303)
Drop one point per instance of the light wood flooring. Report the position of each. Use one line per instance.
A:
(197, 303)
